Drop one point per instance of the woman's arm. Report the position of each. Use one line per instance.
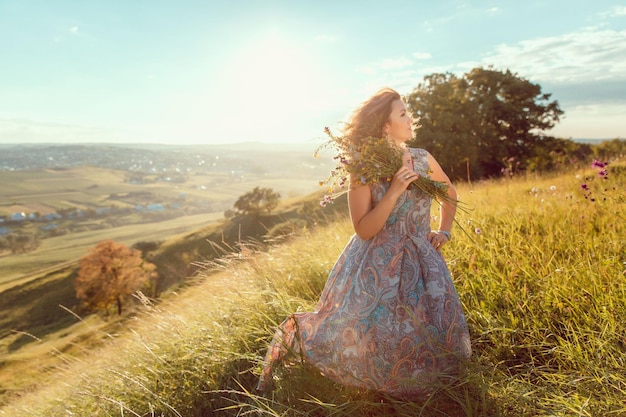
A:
(368, 220)
(447, 208)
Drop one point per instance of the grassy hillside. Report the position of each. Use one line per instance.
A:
(180, 258)
(540, 273)
(40, 306)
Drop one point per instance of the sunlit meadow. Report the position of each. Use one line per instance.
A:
(539, 264)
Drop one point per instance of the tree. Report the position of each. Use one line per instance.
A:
(609, 149)
(22, 243)
(258, 200)
(110, 273)
(476, 123)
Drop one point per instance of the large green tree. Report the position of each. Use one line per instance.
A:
(478, 124)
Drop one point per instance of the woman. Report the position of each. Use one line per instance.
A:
(389, 318)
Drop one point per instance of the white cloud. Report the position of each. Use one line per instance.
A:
(584, 70)
(588, 55)
(494, 11)
(615, 11)
(422, 55)
(591, 62)
(74, 29)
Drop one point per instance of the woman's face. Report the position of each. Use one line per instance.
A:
(400, 125)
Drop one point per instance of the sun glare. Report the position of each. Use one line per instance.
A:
(270, 77)
(272, 88)
(272, 66)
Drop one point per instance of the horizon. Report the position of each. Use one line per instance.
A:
(277, 72)
(224, 144)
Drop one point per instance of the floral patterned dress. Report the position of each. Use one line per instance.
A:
(389, 318)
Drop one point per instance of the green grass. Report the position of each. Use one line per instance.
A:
(543, 286)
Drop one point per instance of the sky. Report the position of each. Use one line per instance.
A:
(209, 72)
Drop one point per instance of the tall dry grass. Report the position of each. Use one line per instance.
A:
(540, 271)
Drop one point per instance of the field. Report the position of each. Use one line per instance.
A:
(206, 197)
(540, 270)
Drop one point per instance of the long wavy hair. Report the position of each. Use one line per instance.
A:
(368, 120)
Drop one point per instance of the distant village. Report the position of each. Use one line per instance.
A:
(142, 164)
(132, 159)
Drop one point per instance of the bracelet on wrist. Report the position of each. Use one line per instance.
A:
(446, 233)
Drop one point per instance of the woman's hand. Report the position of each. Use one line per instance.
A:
(405, 175)
(437, 239)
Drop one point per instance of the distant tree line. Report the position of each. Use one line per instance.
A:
(19, 243)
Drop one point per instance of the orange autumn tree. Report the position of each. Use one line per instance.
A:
(109, 274)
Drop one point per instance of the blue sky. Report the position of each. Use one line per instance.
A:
(193, 72)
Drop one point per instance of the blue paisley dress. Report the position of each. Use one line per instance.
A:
(389, 318)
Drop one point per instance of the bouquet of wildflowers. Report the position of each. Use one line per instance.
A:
(369, 161)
